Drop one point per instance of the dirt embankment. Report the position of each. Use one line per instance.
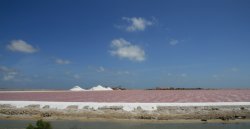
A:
(202, 113)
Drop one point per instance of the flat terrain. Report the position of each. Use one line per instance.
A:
(141, 96)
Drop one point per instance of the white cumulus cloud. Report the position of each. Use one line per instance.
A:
(21, 46)
(137, 24)
(125, 49)
(62, 61)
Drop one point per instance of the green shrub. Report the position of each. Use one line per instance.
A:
(40, 125)
(30, 126)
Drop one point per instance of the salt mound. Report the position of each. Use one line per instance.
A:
(96, 88)
(77, 88)
(99, 87)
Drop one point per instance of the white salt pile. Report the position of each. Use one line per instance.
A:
(99, 87)
(96, 88)
(77, 88)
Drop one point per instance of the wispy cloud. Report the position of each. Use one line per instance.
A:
(216, 77)
(125, 49)
(9, 76)
(100, 69)
(234, 69)
(114, 72)
(7, 73)
(174, 42)
(169, 74)
(136, 24)
(77, 76)
(21, 46)
(62, 61)
(123, 72)
(184, 75)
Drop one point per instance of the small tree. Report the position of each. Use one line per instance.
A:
(40, 125)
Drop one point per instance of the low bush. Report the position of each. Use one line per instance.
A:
(40, 124)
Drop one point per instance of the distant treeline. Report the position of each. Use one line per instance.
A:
(119, 88)
(173, 88)
(165, 88)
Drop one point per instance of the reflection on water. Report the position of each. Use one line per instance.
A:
(21, 124)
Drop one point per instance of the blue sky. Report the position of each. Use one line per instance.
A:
(131, 43)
